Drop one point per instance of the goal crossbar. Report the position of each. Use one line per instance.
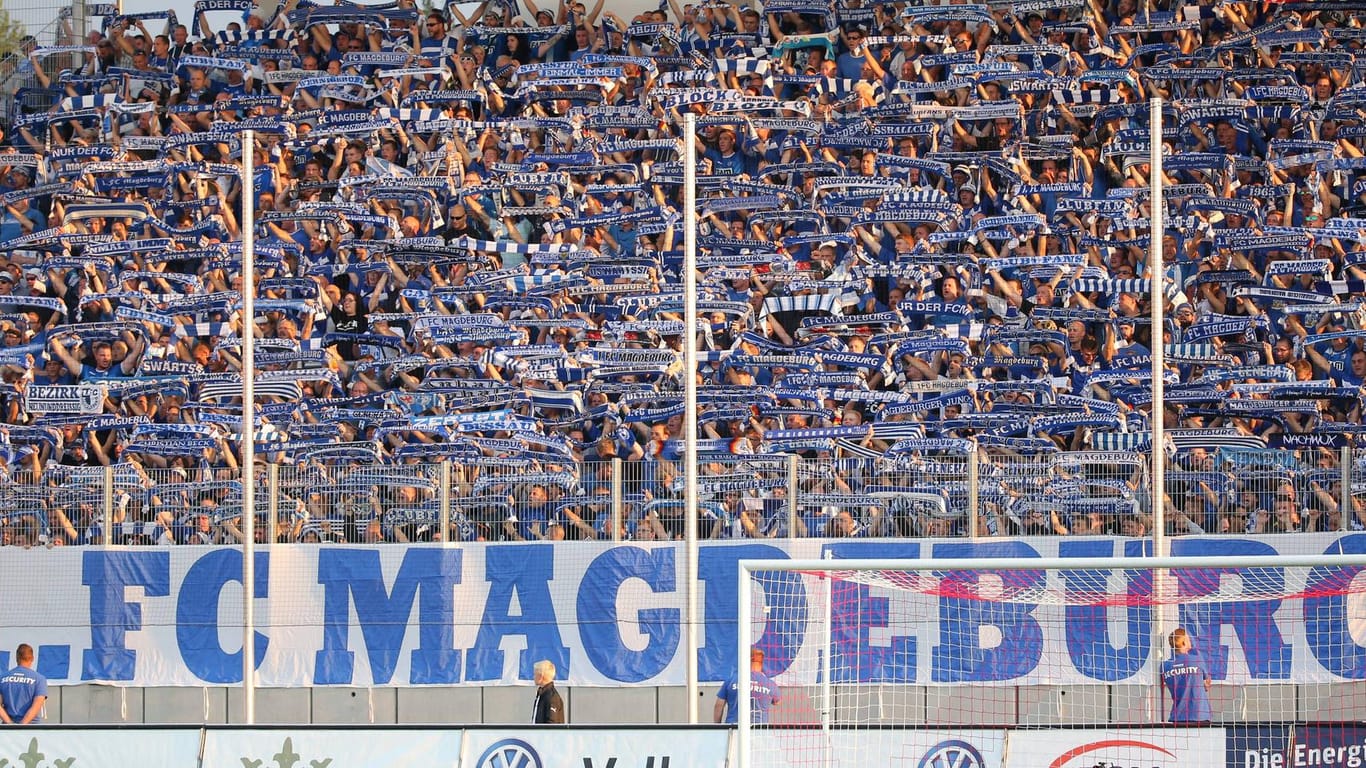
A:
(1052, 563)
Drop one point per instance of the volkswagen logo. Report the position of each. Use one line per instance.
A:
(509, 753)
(952, 754)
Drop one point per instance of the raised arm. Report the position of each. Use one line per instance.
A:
(592, 18)
(73, 365)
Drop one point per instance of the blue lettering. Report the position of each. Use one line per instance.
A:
(1268, 658)
(598, 599)
(54, 661)
(524, 571)
(108, 575)
(1326, 624)
(959, 658)
(718, 568)
(427, 574)
(196, 629)
(855, 612)
(1087, 627)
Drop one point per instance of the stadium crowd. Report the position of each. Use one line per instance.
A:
(924, 241)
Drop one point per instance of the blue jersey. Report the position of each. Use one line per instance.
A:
(18, 688)
(1184, 676)
(763, 694)
(90, 373)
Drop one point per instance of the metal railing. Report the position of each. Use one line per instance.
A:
(963, 494)
(47, 25)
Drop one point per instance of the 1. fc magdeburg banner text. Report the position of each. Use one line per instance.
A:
(610, 615)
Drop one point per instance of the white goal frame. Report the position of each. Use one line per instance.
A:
(745, 596)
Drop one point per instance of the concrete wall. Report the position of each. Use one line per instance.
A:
(889, 704)
(493, 705)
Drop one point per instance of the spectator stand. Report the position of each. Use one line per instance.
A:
(924, 270)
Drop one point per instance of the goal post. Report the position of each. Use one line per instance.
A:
(1056, 662)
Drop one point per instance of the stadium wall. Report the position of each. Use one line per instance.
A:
(160, 623)
(1030, 706)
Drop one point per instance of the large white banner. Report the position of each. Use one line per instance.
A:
(961, 748)
(1150, 748)
(554, 747)
(609, 615)
(369, 747)
(37, 746)
(541, 747)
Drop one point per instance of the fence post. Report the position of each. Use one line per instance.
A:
(78, 26)
(1345, 506)
(617, 500)
(443, 495)
(107, 504)
(272, 503)
(792, 463)
(974, 511)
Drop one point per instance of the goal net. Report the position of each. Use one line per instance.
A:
(1052, 663)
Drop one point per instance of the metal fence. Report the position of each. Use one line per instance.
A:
(948, 494)
(48, 25)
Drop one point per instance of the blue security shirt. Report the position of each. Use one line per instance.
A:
(1184, 676)
(763, 694)
(18, 688)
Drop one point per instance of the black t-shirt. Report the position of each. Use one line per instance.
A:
(345, 323)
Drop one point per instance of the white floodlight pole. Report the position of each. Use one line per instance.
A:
(690, 402)
(1158, 409)
(1157, 274)
(249, 427)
